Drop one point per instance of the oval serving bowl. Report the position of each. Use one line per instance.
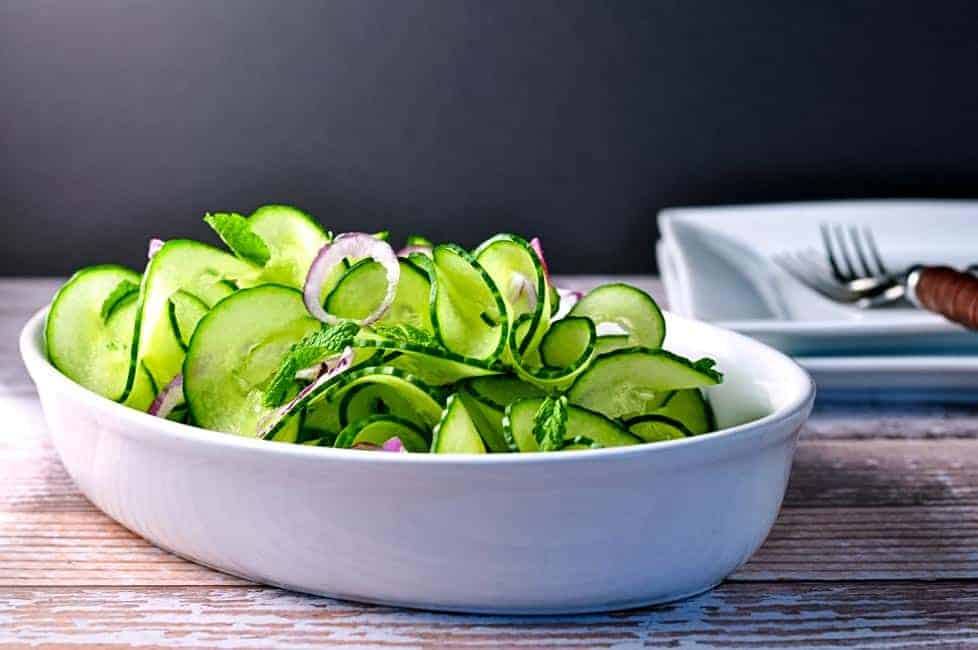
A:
(550, 533)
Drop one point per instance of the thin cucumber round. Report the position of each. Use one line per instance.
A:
(635, 381)
(519, 417)
(657, 428)
(379, 399)
(88, 340)
(512, 263)
(611, 342)
(362, 288)
(627, 307)
(582, 332)
(455, 432)
(689, 407)
(186, 310)
(293, 238)
(179, 265)
(566, 342)
(378, 429)
(501, 391)
(467, 311)
(234, 352)
(488, 421)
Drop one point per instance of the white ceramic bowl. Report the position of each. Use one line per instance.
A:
(515, 533)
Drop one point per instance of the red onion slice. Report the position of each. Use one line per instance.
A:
(519, 286)
(329, 369)
(169, 398)
(407, 250)
(355, 245)
(568, 299)
(538, 248)
(394, 444)
(154, 247)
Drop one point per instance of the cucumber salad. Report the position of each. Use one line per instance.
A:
(296, 335)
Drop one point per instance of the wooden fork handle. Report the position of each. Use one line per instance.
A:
(945, 291)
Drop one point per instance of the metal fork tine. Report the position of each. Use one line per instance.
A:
(840, 237)
(871, 243)
(860, 252)
(829, 255)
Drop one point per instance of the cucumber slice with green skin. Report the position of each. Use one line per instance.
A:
(363, 286)
(322, 420)
(509, 259)
(610, 343)
(467, 311)
(519, 417)
(378, 429)
(378, 399)
(456, 433)
(691, 409)
(566, 342)
(186, 310)
(86, 347)
(233, 354)
(431, 363)
(293, 238)
(584, 332)
(501, 391)
(635, 381)
(179, 265)
(488, 421)
(631, 309)
(657, 428)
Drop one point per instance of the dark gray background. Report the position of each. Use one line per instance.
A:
(574, 120)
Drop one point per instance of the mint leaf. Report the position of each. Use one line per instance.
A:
(550, 423)
(117, 297)
(310, 349)
(235, 231)
(407, 334)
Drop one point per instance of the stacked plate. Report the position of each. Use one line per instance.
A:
(716, 265)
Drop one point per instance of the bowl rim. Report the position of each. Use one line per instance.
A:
(32, 353)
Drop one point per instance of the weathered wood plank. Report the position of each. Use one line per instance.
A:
(797, 615)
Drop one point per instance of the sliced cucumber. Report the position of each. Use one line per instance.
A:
(690, 408)
(511, 263)
(322, 420)
(184, 265)
(579, 335)
(379, 399)
(378, 429)
(630, 308)
(488, 421)
(657, 428)
(636, 381)
(501, 391)
(467, 310)
(425, 401)
(566, 342)
(88, 348)
(455, 433)
(581, 422)
(293, 238)
(234, 352)
(362, 288)
(610, 343)
(186, 310)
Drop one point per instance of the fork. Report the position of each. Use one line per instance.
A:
(849, 269)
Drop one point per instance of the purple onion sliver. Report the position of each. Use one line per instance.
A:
(519, 286)
(407, 250)
(169, 398)
(394, 444)
(536, 246)
(154, 247)
(353, 245)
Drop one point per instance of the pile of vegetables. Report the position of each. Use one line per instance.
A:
(299, 336)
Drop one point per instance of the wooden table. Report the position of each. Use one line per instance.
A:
(876, 546)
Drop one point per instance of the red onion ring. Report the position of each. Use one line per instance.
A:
(169, 398)
(538, 249)
(393, 444)
(355, 245)
(154, 247)
(329, 369)
(568, 299)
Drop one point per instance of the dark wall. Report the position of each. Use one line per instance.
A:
(574, 120)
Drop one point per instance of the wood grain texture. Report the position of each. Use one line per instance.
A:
(795, 615)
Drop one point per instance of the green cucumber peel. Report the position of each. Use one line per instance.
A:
(122, 292)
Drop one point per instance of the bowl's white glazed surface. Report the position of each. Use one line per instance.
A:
(508, 533)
